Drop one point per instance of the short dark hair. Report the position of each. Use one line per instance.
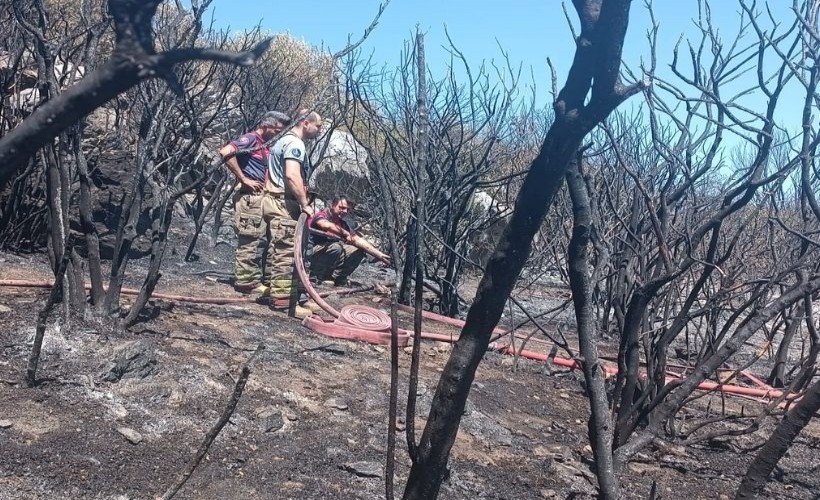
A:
(340, 197)
(275, 118)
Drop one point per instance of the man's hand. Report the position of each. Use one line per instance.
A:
(386, 260)
(253, 185)
(307, 209)
(228, 153)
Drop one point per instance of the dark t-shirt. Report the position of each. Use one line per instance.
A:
(253, 164)
(327, 215)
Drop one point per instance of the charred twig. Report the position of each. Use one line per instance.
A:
(214, 432)
(329, 348)
(710, 436)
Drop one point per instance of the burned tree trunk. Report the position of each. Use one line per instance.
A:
(600, 425)
(418, 297)
(596, 69)
(778, 443)
(161, 222)
(92, 238)
(777, 377)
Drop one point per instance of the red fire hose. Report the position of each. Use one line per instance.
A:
(363, 323)
(178, 298)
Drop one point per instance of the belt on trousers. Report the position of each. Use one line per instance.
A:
(272, 194)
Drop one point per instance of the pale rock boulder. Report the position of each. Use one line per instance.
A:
(341, 167)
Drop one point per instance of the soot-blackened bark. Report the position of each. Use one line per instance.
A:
(778, 443)
(595, 67)
(133, 61)
(600, 424)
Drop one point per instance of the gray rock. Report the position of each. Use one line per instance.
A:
(131, 435)
(273, 422)
(5, 424)
(560, 452)
(176, 398)
(134, 359)
(4, 309)
(337, 404)
(364, 469)
(118, 411)
(344, 164)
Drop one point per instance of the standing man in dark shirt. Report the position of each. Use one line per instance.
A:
(338, 250)
(248, 162)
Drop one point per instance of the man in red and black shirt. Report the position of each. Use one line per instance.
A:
(248, 162)
(337, 250)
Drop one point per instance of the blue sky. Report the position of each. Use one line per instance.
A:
(530, 31)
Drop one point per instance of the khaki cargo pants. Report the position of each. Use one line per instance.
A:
(281, 215)
(270, 217)
(249, 227)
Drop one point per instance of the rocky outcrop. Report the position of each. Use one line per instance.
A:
(342, 168)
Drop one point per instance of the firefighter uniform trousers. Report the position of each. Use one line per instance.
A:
(272, 216)
(249, 227)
